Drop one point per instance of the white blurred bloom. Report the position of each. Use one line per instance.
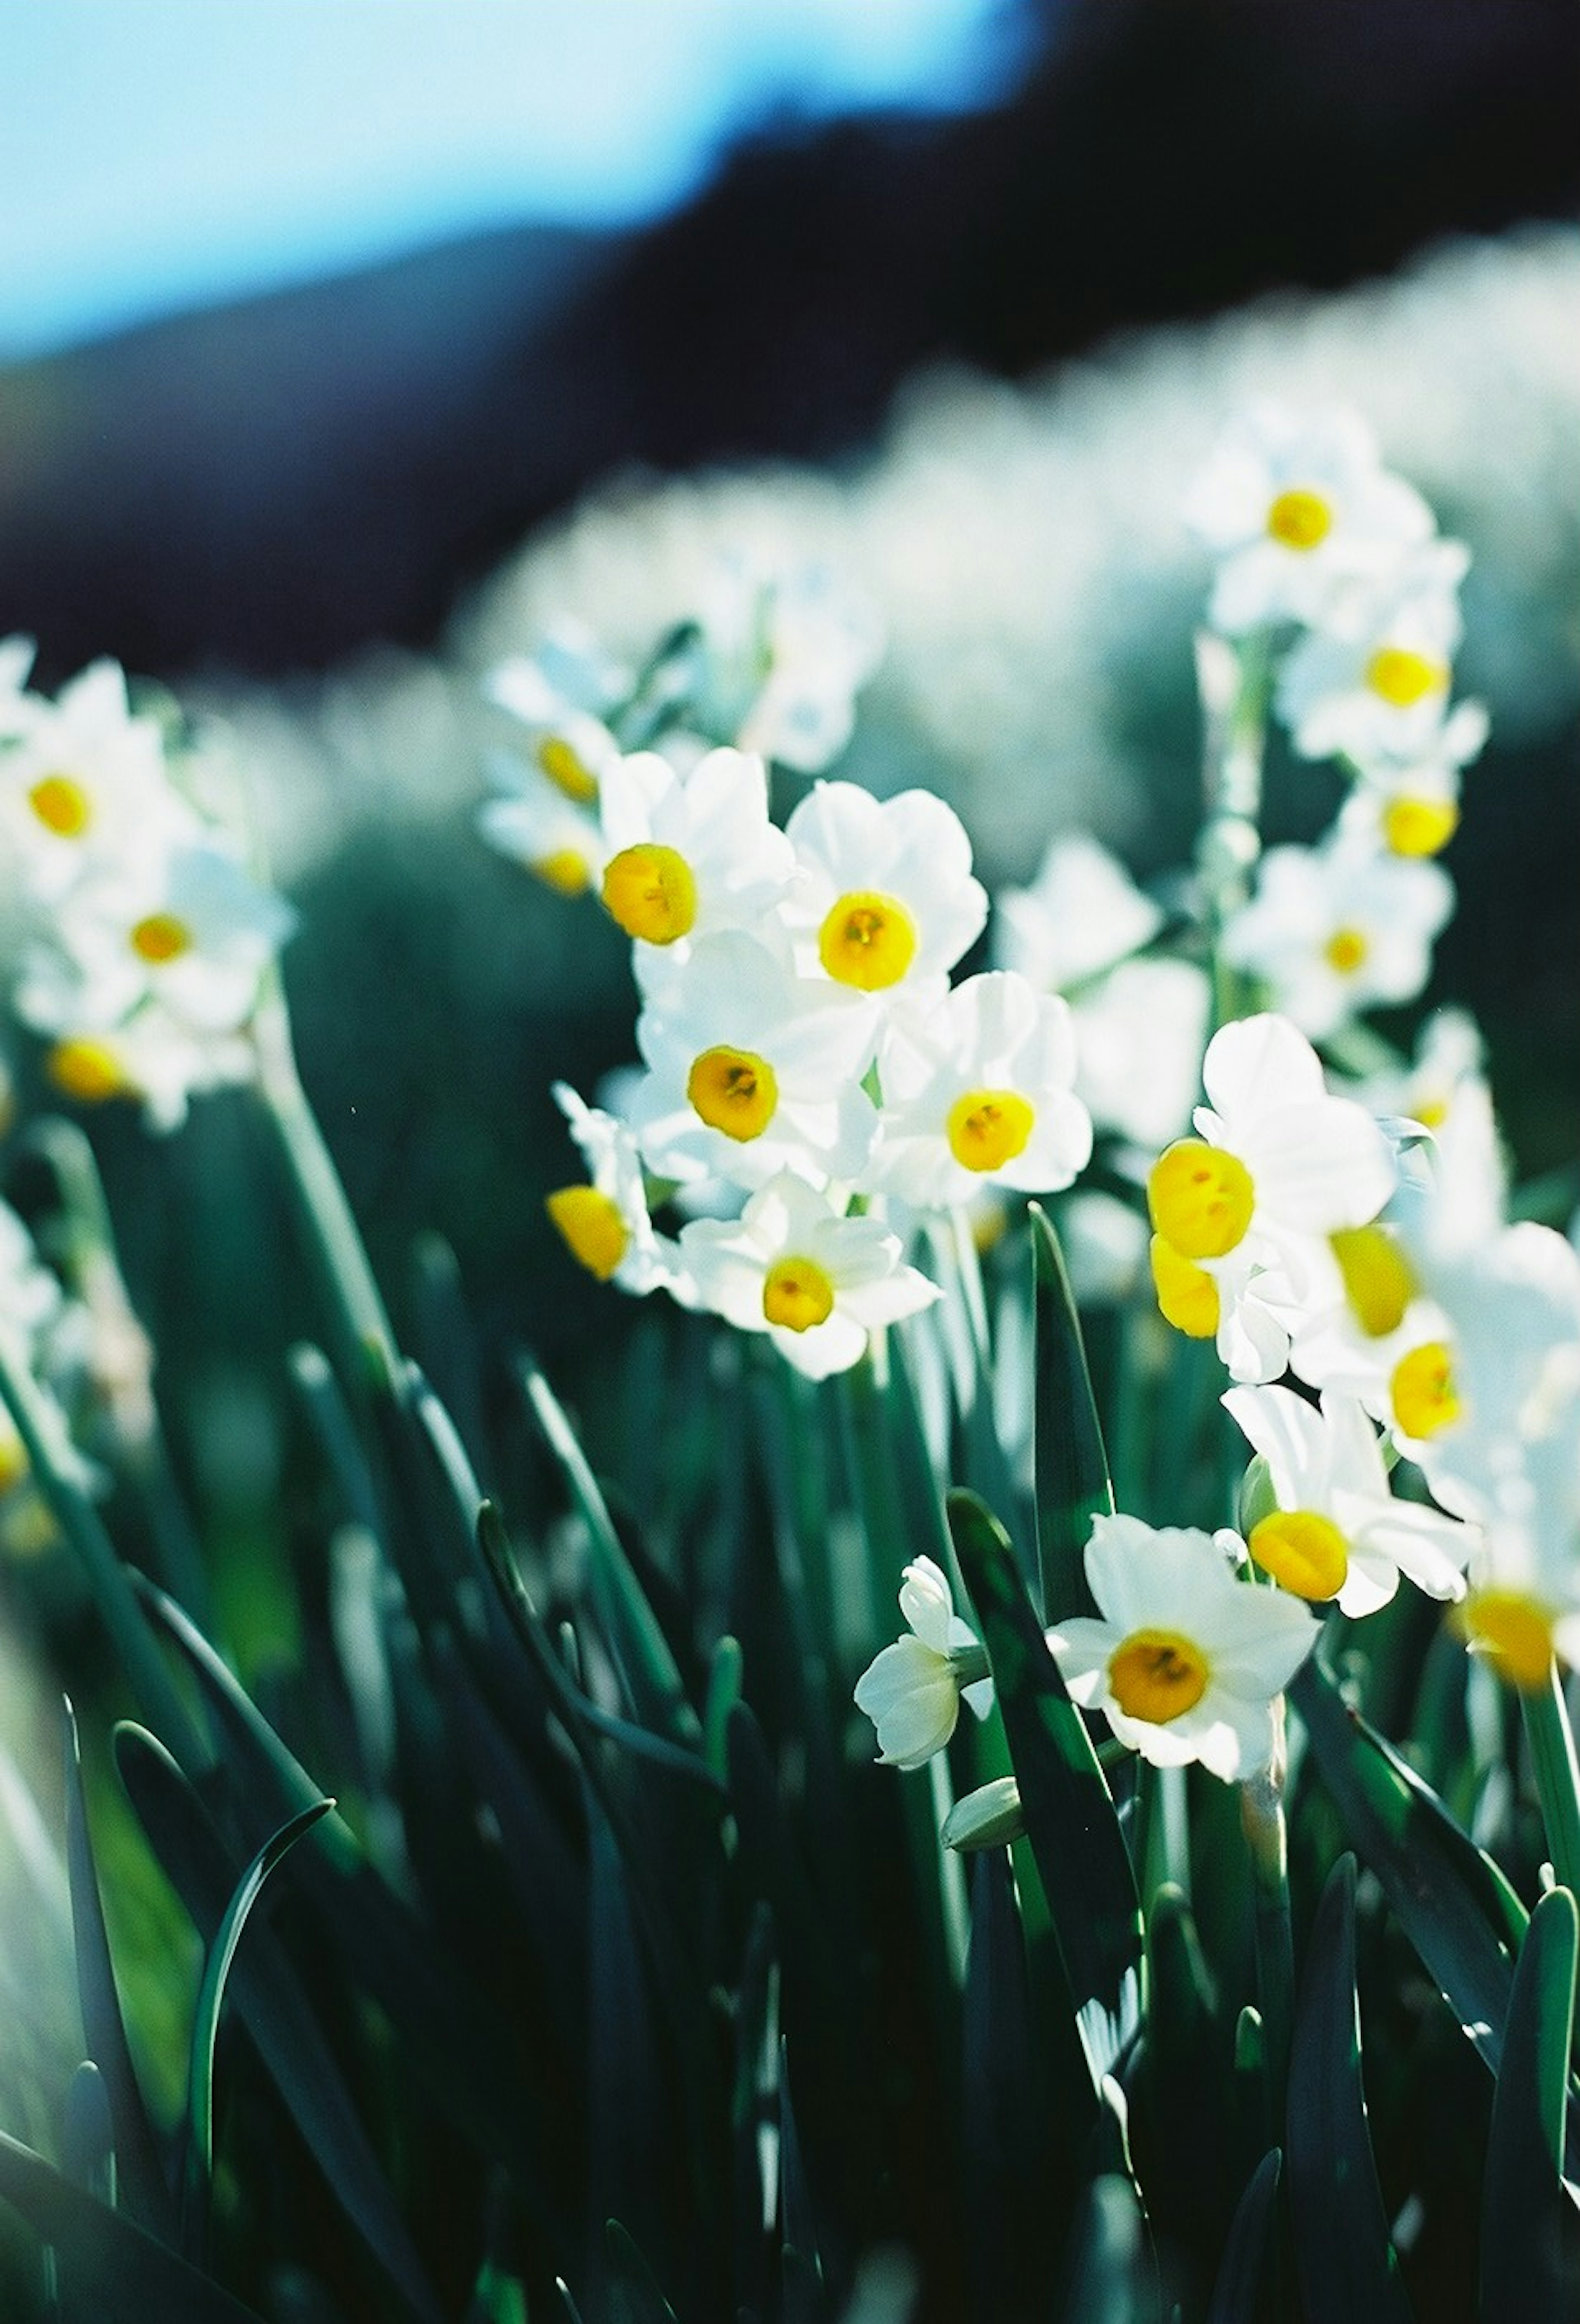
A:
(981, 1091)
(1104, 1245)
(688, 855)
(537, 825)
(912, 1691)
(604, 1224)
(885, 901)
(562, 696)
(1450, 1056)
(787, 651)
(1081, 914)
(1335, 929)
(751, 1069)
(1185, 1660)
(1381, 690)
(1299, 508)
(83, 783)
(153, 1058)
(1337, 1531)
(817, 1282)
(1411, 806)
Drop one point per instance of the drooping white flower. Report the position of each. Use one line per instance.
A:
(1380, 689)
(1186, 1661)
(1299, 509)
(686, 856)
(912, 1691)
(1337, 1531)
(1335, 929)
(885, 901)
(818, 1282)
(606, 1223)
(981, 1092)
(536, 824)
(751, 1069)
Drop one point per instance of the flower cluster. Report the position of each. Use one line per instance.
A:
(147, 939)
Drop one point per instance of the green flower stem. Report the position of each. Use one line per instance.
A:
(951, 1873)
(78, 1520)
(1551, 1743)
(1235, 686)
(321, 1199)
(1261, 1818)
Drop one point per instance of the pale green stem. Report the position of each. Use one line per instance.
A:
(951, 1873)
(1551, 1743)
(1261, 1818)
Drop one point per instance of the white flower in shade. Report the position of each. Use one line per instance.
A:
(885, 901)
(785, 654)
(153, 1058)
(30, 1296)
(982, 1092)
(688, 855)
(1380, 689)
(604, 1224)
(1186, 1661)
(1450, 1056)
(191, 933)
(536, 824)
(1140, 1034)
(562, 697)
(1081, 914)
(1299, 509)
(83, 783)
(1338, 1532)
(794, 1267)
(751, 1069)
(1411, 806)
(912, 1691)
(1335, 929)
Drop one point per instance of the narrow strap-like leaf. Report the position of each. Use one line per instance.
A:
(1531, 2226)
(1236, 2293)
(1073, 1481)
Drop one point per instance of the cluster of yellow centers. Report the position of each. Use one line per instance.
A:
(987, 1128)
(1157, 1676)
(594, 1229)
(1201, 1199)
(651, 892)
(868, 939)
(1299, 519)
(797, 1294)
(61, 805)
(733, 1090)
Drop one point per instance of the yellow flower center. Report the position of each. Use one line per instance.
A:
(1425, 1398)
(1432, 1112)
(733, 1090)
(867, 940)
(649, 891)
(1345, 950)
(592, 1229)
(12, 1456)
(1420, 826)
(1402, 678)
(1299, 519)
(61, 805)
(89, 1071)
(161, 937)
(566, 870)
(566, 770)
(1305, 1552)
(1201, 1198)
(1157, 1674)
(1378, 1283)
(987, 1128)
(1515, 1632)
(798, 1293)
(1186, 1294)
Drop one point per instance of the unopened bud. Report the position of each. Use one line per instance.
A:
(988, 1817)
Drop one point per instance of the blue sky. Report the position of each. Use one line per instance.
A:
(159, 153)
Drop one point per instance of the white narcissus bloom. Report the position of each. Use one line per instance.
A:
(912, 1691)
(885, 901)
(562, 696)
(751, 1069)
(1450, 1055)
(1380, 689)
(604, 1224)
(153, 1058)
(1244, 1210)
(785, 654)
(1335, 929)
(1299, 508)
(981, 1092)
(1337, 1531)
(1411, 806)
(1186, 1661)
(1081, 914)
(536, 824)
(83, 783)
(686, 856)
(817, 1282)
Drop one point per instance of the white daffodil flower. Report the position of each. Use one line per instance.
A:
(1244, 1210)
(980, 1093)
(1450, 1055)
(885, 901)
(751, 1069)
(1409, 806)
(686, 856)
(1381, 690)
(604, 1224)
(84, 786)
(153, 1058)
(785, 653)
(913, 1690)
(1299, 509)
(562, 696)
(1186, 1661)
(534, 824)
(1335, 929)
(792, 1265)
(1337, 1531)
(1081, 914)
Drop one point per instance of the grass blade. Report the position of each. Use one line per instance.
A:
(1531, 2228)
(1073, 1481)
